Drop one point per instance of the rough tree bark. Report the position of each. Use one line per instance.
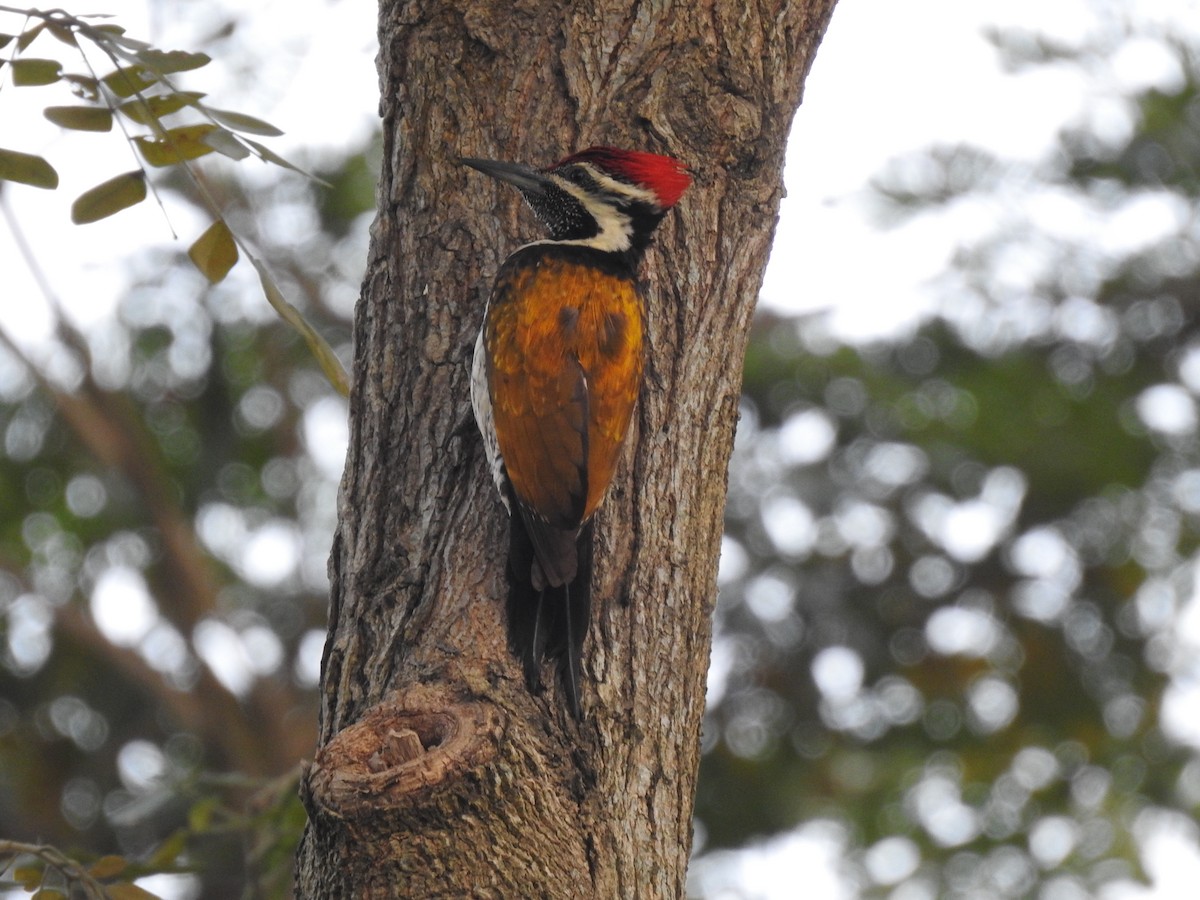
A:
(438, 774)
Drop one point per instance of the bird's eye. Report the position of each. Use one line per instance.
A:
(577, 176)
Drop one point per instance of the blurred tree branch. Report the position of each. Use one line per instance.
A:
(255, 732)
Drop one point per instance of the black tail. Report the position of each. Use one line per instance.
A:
(578, 610)
(552, 621)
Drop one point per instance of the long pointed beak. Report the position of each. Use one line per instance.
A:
(522, 177)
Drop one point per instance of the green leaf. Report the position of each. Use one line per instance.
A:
(226, 144)
(214, 252)
(83, 86)
(200, 816)
(110, 197)
(271, 156)
(31, 72)
(236, 121)
(26, 168)
(125, 81)
(317, 345)
(125, 890)
(63, 33)
(48, 894)
(5, 40)
(177, 145)
(108, 866)
(115, 35)
(28, 37)
(80, 118)
(152, 108)
(29, 877)
(170, 61)
(168, 851)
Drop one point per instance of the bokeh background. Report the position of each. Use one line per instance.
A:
(957, 648)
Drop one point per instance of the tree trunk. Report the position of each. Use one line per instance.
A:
(439, 774)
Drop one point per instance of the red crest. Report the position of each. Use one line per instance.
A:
(664, 175)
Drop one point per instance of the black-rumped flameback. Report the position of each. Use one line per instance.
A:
(557, 372)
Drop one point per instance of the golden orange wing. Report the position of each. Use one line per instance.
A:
(564, 348)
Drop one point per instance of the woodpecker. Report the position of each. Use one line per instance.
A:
(556, 374)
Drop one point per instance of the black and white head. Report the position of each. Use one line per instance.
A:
(602, 197)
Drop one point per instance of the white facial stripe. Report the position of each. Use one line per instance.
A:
(615, 227)
(606, 181)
